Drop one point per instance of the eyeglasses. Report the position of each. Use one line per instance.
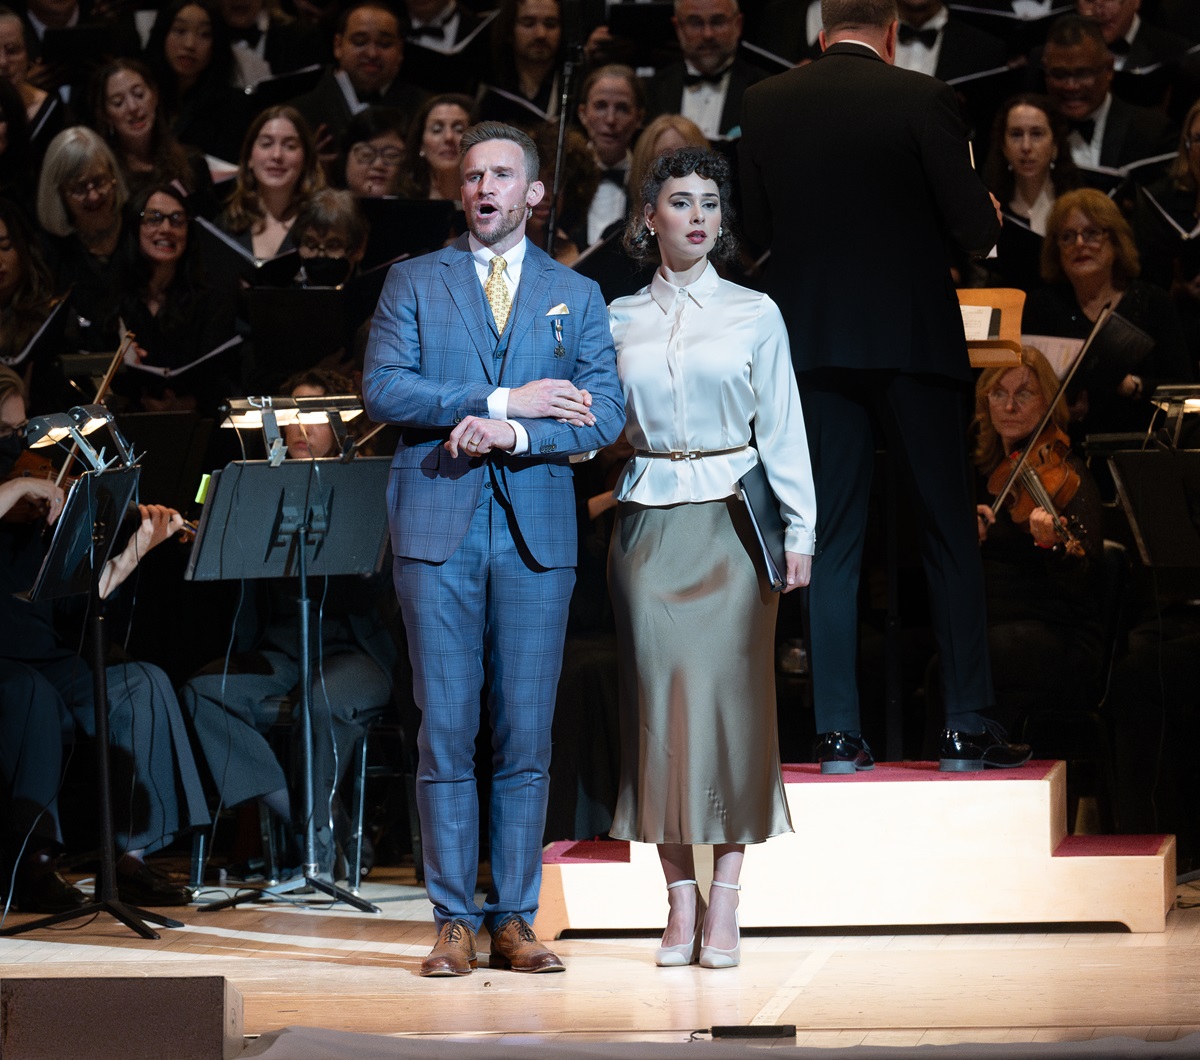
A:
(153, 218)
(365, 154)
(1021, 398)
(1091, 237)
(81, 190)
(1083, 75)
(7, 430)
(330, 248)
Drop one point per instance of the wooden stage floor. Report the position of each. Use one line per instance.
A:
(342, 970)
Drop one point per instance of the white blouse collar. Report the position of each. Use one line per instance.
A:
(664, 292)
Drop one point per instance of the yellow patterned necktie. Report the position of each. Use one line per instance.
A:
(497, 292)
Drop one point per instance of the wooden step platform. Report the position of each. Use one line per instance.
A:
(901, 845)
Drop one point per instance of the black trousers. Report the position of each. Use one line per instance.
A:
(923, 420)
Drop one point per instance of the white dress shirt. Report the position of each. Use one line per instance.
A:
(704, 103)
(514, 259)
(915, 56)
(1084, 154)
(446, 23)
(609, 203)
(697, 365)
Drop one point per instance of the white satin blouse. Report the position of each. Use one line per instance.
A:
(698, 364)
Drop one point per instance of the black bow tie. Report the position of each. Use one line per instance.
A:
(249, 36)
(371, 99)
(691, 80)
(907, 34)
(417, 32)
(1086, 129)
(1120, 46)
(616, 175)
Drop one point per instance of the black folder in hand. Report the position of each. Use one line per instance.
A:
(755, 492)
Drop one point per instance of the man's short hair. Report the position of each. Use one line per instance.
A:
(343, 19)
(734, 3)
(838, 15)
(1070, 30)
(497, 130)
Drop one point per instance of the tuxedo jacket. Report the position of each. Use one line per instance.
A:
(968, 50)
(467, 21)
(665, 91)
(434, 357)
(325, 104)
(852, 168)
(1133, 133)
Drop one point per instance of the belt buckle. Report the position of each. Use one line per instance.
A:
(678, 455)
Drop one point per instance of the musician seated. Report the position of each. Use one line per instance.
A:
(1089, 260)
(234, 703)
(42, 677)
(1041, 569)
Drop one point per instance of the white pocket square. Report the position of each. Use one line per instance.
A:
(559, 310)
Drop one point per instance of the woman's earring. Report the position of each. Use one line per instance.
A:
(720, 231)
(1052, 163)
(650, 229)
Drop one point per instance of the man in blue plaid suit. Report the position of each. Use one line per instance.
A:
(498, 372)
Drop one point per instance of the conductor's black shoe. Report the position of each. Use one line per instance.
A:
(842, 752)
(143, 885)
(970, 752)
(48, 893)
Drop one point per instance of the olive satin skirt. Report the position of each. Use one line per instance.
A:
(696, 637)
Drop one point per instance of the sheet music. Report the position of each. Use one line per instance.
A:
(1059, 351)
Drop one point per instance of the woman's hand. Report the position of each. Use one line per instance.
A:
(799, 570)
(41, 491)
(158, 523)
(1041, 526)
(985, 517)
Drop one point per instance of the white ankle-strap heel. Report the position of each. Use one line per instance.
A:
(711, 956)
(686, 952)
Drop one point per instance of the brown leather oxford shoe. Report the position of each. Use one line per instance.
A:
(516, 947)
(454, 952)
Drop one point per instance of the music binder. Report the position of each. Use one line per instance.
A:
(46, 339)
(223, 254)
(754, 491)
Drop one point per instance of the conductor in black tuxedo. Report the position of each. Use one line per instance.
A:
(858, 176)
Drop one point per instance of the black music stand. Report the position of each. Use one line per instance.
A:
(83, 539)
(1160, 492)
(321, 517)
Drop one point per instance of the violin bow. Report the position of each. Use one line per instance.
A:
(101, 393)
(1023, 459)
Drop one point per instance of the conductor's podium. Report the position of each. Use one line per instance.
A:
(901, 845)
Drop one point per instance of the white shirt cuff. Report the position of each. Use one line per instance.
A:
(498, 410)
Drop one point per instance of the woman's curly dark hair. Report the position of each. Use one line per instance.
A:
(682, 162)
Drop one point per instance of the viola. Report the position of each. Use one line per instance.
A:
(1040, 477)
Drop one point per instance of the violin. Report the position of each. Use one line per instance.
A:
(1045, 479)
(31, 464)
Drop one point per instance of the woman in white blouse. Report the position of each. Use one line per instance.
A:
(703, 364)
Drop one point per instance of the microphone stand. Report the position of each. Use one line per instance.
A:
(574, 56)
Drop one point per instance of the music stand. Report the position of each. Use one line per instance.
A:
(321, 517)
(1160, 492)
(83, 539)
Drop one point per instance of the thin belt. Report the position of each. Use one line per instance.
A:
(693, 454)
